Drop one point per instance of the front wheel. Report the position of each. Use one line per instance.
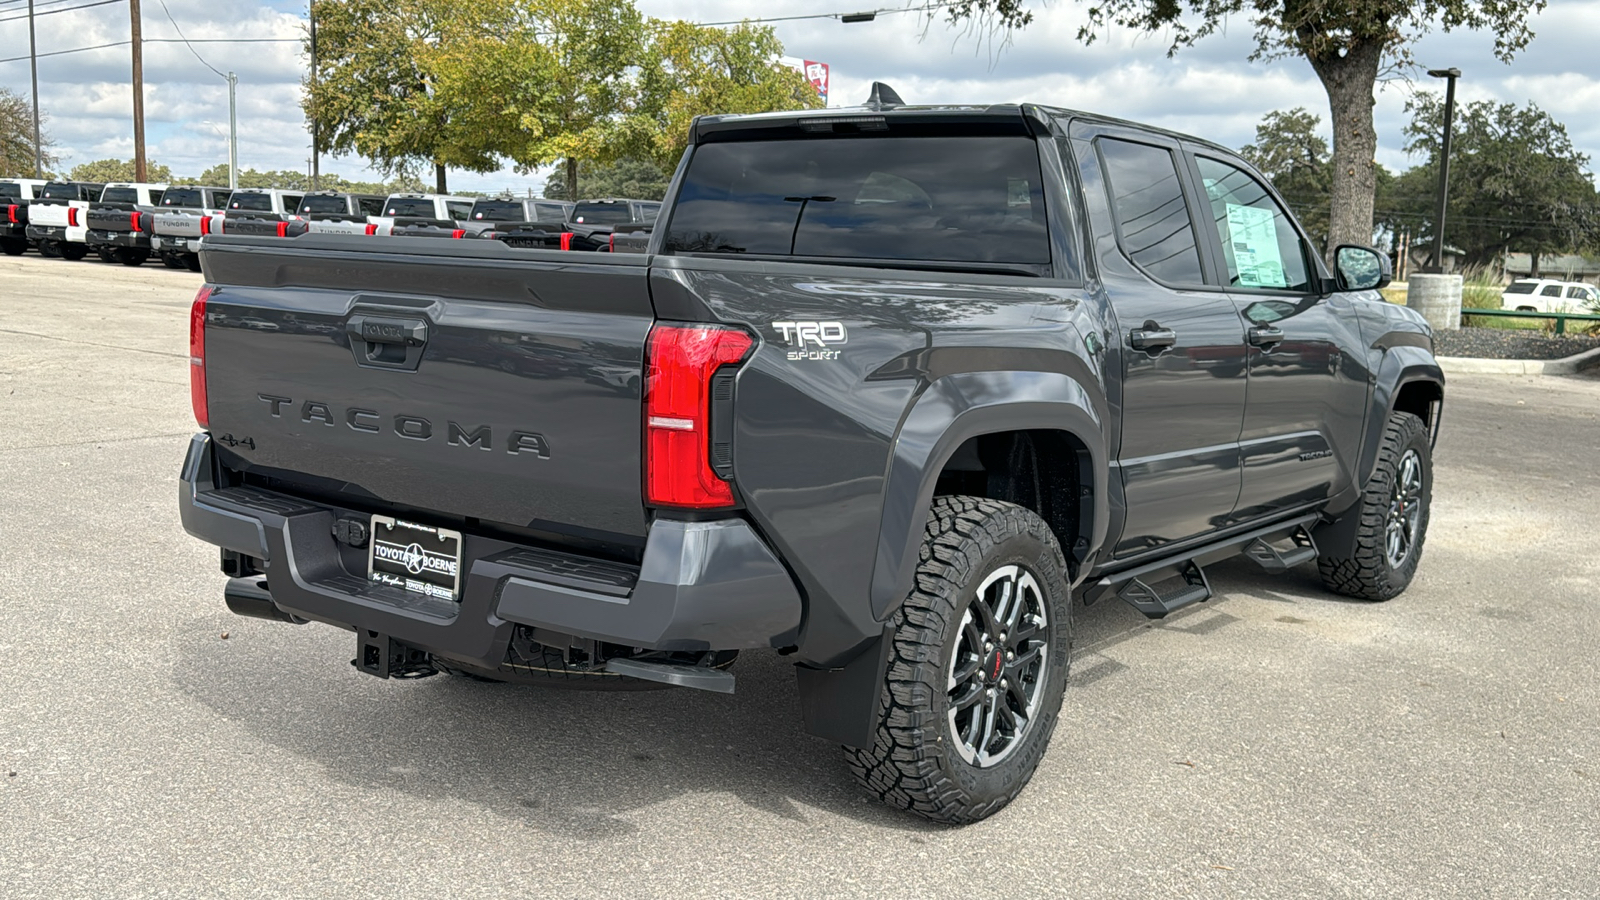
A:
(1394, 517)
(978, 666)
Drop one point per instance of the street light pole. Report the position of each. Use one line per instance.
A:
(33, 61)
(233, 134)
(1450, 76)
(316, 137)
(138, 90)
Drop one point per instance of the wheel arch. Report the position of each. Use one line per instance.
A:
(986, 410)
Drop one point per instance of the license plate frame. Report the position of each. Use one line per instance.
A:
(415, 558)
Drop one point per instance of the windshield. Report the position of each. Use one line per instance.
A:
(254, 202)
(1521, 287)
(325, 203)
(955, 199)
(186, 197)
(418, 207)
(498, 211)
(602, 214)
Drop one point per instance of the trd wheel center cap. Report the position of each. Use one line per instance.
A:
(996, 665)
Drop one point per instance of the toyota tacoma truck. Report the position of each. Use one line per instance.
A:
(889, 388)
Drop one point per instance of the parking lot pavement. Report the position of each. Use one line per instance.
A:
(1275, 742)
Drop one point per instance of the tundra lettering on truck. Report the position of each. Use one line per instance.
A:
(1090, 358)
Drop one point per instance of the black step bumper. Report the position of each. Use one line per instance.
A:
(134, 240)
(711, 585)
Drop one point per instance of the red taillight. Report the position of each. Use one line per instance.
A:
(72, 216)
(283, 229)
(612, 244)
(372, 229)
(197, 358)
(566, 240)
(11, 213)
(205, 225)
(459, 233)
(134, 221)
(681, 361)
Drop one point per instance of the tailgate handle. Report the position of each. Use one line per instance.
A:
(387, 341)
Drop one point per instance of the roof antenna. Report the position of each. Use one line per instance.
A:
(883, 97)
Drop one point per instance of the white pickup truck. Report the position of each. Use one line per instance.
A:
(433, 207)
(58, 221)
(336, 212)
(16, 194)
(182, 219)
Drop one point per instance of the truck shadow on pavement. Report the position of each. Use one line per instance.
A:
(576, 763)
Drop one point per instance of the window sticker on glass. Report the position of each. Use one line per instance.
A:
(1255, 247)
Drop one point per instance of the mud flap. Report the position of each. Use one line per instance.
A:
(841, 704)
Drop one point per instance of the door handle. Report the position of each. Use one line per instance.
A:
(387, 342)
(1152, 337)
(1265, 335)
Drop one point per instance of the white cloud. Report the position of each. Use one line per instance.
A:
(1209, 90)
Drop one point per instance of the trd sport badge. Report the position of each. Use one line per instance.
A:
(812, 340)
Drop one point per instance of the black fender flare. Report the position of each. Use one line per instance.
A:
(1407, 359)
(951, 410)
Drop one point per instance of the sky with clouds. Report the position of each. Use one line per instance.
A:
(1208, 90)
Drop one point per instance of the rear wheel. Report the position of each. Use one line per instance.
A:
(172, 262)
(106, 254)
(49, 249)
(1394, 517)
(979, 664)
(72, 251)
(192, 261)
(131, 257)
(13, 246)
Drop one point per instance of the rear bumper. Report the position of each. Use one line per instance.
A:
(129, 239)
(700, 586)
(169, 244)
(47, 232)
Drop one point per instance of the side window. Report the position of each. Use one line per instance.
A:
(1550, 290)
(1578, 292)
(1151, 213)
(1261, 246)
(457, 209)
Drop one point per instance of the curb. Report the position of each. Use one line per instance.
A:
(1571, 365)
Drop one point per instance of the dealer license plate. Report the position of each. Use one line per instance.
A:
(415, 558)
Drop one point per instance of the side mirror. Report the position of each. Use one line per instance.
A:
(1361, 268)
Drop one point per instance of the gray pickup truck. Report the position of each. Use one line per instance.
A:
(889, 387)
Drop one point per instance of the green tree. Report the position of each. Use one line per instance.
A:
(632, 178)
(1516, 182)
(377, 91)
(1290, 150)
(291, 180)
(105, 171)
(16, 137)
(1347, 43)
(693, 70)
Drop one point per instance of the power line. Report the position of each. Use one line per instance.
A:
(222, 41)
(74, 50)
(186, 40)
(866, 14)
(51, 12)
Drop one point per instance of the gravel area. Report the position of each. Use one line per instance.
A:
(1495, 343)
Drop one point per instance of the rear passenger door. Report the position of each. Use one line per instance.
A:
(1179, 345)
(1308, 389)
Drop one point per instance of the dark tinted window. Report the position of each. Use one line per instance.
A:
(186, 197)
(498, 211)
(1551, 290)
(419, 207)
(120, 195)
(956, 199)
(549, 212)
(254, 202)
(649, 211)
(1521, 287)
(10, 190)
(59, 192)
(325, 203)
(1151, 212)
(370, 206)
(602, 213)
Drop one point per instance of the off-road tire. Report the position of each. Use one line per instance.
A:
(71, 251)
(1369, 574)
(914, 763)
(131, 257)
(193, 262)
(13, 247)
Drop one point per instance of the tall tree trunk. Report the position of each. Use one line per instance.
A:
(572, 179)
(1534, 264)
(438, 179)
(1349, 81)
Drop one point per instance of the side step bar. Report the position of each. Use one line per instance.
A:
(1134, 586)
(697, 677)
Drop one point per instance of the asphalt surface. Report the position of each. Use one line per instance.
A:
(1275, 742)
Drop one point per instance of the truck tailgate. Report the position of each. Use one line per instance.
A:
(178, 223)
(459, 378)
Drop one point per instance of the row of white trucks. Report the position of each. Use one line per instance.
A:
(131, 223)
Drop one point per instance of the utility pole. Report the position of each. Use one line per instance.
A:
(316, 143)
(233, 134)
(1450, 76)
(138, 92)
(33, 60)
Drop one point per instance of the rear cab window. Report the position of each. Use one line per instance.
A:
(120, 195)
(409, 207)
(251, 202)
(186, 197)
(11, 191)
(602, 214)
(325, 203)
(936, 199)
(498, 211)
